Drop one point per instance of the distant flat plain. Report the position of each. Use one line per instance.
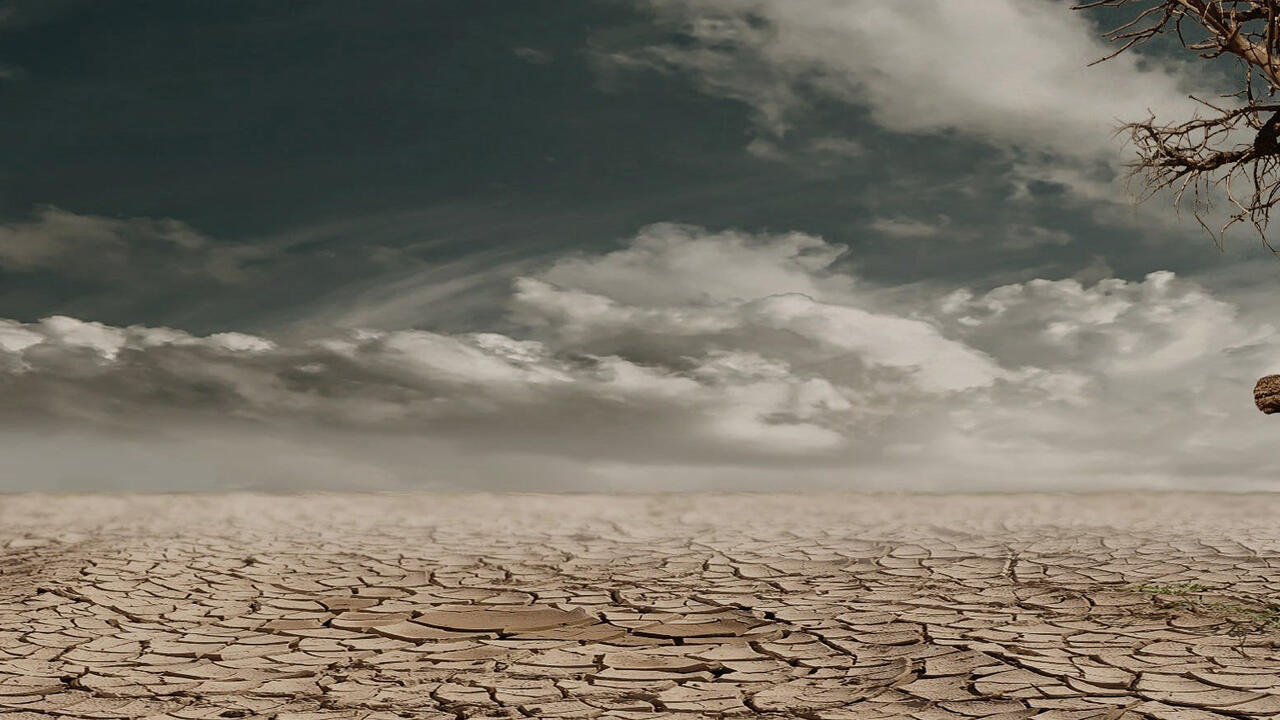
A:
(925, 606)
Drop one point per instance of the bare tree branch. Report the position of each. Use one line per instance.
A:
(1229, 149)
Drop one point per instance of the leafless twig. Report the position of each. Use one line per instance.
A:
(1230, 148)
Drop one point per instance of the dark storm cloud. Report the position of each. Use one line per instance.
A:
(26, 13)
(584, 244)
(335, 141)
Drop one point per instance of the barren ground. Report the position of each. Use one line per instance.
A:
(831, 606)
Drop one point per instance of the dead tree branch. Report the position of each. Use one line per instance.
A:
(1230, 148)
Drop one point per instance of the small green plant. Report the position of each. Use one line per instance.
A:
(1244, 617)
(1173, 589)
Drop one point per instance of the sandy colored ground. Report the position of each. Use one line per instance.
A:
(452, 606)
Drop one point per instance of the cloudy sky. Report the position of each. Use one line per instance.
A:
(607, 245)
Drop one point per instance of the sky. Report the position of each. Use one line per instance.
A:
(608, 245)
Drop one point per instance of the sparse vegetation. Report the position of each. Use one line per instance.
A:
(1173, 589)
(1245, 617)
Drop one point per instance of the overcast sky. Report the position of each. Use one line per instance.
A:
(607, 245)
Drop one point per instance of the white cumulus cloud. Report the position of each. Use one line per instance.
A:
(721, 355)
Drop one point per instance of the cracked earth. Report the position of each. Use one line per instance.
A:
(931, 607)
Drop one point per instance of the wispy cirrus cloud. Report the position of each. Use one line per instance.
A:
(928, 73)
(114, 250)
(920, 67)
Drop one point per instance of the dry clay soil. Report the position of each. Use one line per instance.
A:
(452, 606)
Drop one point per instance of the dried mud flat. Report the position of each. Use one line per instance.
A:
(450, 606)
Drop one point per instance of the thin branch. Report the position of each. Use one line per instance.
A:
(1227, 150)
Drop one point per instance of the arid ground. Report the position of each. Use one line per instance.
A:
(828, 606)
